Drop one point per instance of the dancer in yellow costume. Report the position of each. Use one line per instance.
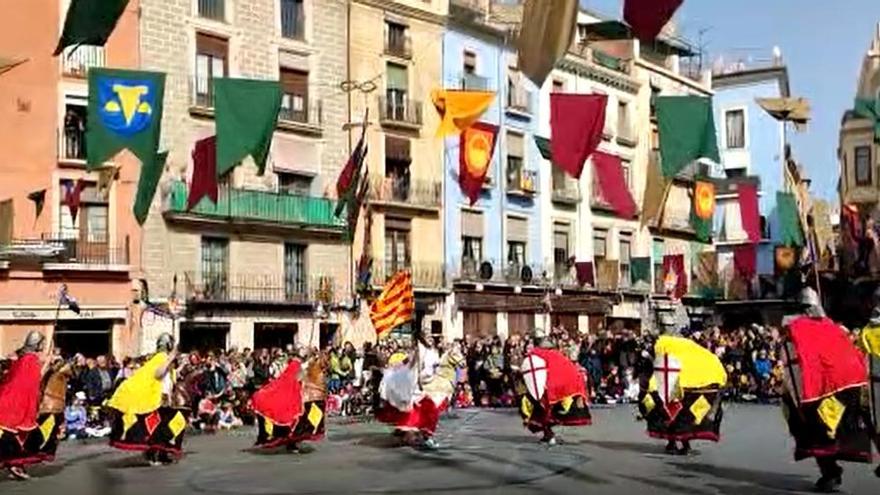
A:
(146, 417)
(870, 344)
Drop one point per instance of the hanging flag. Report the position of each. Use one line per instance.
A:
(585, 273)
(125, 112)
(106, 176)
(795, 110)
(640, 272)
(394, 306)
(545, 36)
(459, 109)
(354, 207)
(745, 258)
(39, 199)
(785, 258)
(609, 274)
(90, 22)
(748, 210)
(576, 123)
(647, 17)
(613, 184)
(204, 177)
(7, 217)
(147, 184)
(65, 299)
(789, 220)
(707, 274)
(71, 195)
(703, 209)
(246, 111)
(477, 145)
(673, 268)
(656, 190)
(687, 131)
(349, 181)
(869, 109)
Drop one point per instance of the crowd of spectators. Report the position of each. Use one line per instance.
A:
(217, 385)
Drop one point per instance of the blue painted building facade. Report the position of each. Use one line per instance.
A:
(496, 242)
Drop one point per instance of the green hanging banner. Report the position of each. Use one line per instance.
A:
(151, 172)
(90, 22)
(687, 131)
(246, 112)
(789, 220)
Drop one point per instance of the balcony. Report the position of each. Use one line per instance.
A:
(201, 96)
(399, 47)
(77, 60)
(493, 271)
(254, 288)
(519, 100)
(616, 64)
(519, 180)
(400, 112)
(405, 192)
(60, 253)
(563, 274)
(473, 82)
(213, 9)
(425, 275)
(308, 119)
(566, 193)
(243, 206)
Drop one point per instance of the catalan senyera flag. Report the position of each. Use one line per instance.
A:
(394, 306)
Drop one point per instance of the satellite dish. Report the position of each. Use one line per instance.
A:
(486, 271)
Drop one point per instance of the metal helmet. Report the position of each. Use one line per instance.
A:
(165, 342)
(812, 305)
(33, 342)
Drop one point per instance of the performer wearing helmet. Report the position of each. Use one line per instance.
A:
(870, 344)
(19, 406)
(147, 414)
(826, 382)
(556, 392)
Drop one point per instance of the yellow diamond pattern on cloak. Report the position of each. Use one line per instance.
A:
(128, 420)
(526, 407)
(831, 412)
(566, 404)
(700, 408)
(177, 424)
(315, 416)
(270, 427)
(46, 429)
(649, 403)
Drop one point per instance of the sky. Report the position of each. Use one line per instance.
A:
(823, 43)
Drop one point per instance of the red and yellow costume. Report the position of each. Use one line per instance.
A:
(283, 418)
(556, 392)
(19, 406)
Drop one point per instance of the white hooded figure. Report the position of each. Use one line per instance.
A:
(399, 385)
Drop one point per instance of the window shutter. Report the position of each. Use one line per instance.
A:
(397, 77)
(471, 224)
(517, 229)
(214, 46)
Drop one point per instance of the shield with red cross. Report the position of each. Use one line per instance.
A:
(666, 371)
(534, 370)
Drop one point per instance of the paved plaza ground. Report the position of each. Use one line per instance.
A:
(482, 452)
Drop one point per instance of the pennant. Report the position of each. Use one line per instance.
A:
(795, 110)
(90, 22)
(354, 207)
(703, 209)
(546, 37)
(748, 209)
(72, 192)
(106, 176)
(745, 261)
(246, 112)
(869, 109)
(674, 272)
(585, 273)
(789, 220)
(477, 145)
(125, 112)
(612, 184)
(39, 199)
(656, 189)
(7, 217)
(394, 306)
(576, 123)
(647, 17)
(147, 184)
(609, 274)
(687, 131)
(640, 271)
(707, 273)
(459, 109)
(349, 182)
(65, 299)
(204, 177)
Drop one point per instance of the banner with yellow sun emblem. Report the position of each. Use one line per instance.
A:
(475, 156)
(125, 112)
(703, 209)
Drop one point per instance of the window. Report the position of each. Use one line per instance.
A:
(300, 185)
(863, 165)
(211, 62)
(397, 82)
(212, 9)
(655, 92)
(397, 40)
(397, 252)
(623, 126)
(397, 171)
(735, 173)
(516, 253)
(600, 241)
(625, 254)
(91, 225)
(517, 238)
(627, 177)
(560, 249)
(515, 152)
(471, 241)
(215, 260)
(469, 63)
(73, 146)
(295, 95)
(659, 250)
(294, 271)
(736, 128)
(558, 86)
(293, 19)
(472, 248)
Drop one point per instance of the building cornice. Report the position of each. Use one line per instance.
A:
(404, 10)
(664, 72)
(599, 74)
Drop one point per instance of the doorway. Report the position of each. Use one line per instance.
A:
(203, 337)
(91, 338)
(274, 335)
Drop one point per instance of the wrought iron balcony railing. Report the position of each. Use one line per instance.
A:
(261, 288)
(57, 249)
(77, 60)
(519, 99)
(311, 115)
(473, 82)
(425, 275)
(519, 179)
(400, 47)
(403, 190)
(400, 111)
